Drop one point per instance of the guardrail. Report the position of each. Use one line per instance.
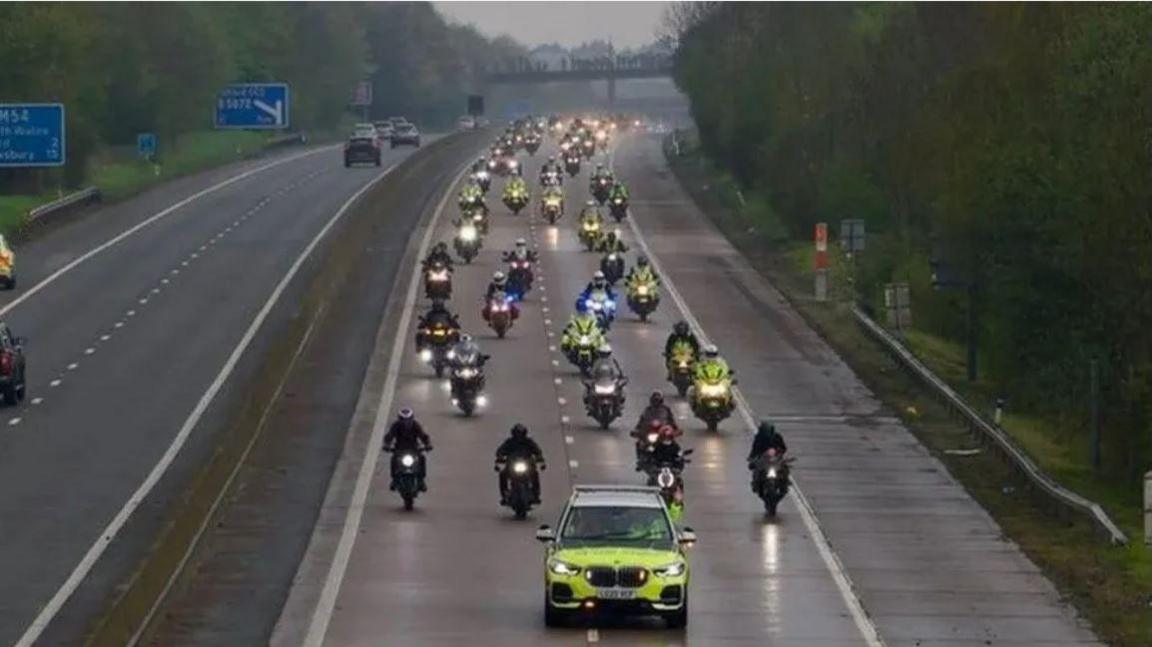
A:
(70, 202)
(993, 434)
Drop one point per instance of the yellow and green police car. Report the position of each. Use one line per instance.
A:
(616, 550)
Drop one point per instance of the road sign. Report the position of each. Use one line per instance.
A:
(253, 106)
(146, 145)
(362, 95)
(852, 235)
(475, 105)
(32, 134)
(821, 258)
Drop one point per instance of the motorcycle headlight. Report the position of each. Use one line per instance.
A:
(683, 364)
(520, 467)
(407, 460)
(563, 568)
(675, 569)
(426, 355)
(642, 289)
(609, 304)
(595, 305)
(652, 438)
(618, 201)
(585, 340)
(605, 389)
(612, 257)
(468, 234)
(467, 372)
(713, 390)
(441, 275)
(482, 175)
(477, 217)
(451, 354)
(771, 472)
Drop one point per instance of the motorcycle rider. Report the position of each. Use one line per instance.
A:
(619, 190)
(499, 283)
(612, 243)
(466, 352)
(480, 164)
(598, 283)
(436, 314)
(681, 332)
(406, 434)
(471, 193)
(712, 364)
(656, 411)
(667, 451)
(641, 273)
(438, 254)
(602, 172)
(519, 445)
(766, 438)
(591, 213)
(606, 368)
(582, 324)
(520, 252)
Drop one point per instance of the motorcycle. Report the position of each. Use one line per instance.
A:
(551, 178)
(572, 165)
(601, 186)
(590, 233)
(532, 144)
(467, 386)
(483, 180)
(552, 207)
(618, 207)
(667, 476)
(470, 201)
(612, 265)
(681, 362)
(712, 401)
(588, 148)
(770, 479)
(500, 313)
(438, 341)
(406, 475)
(643, 297)
(467, 240)
(479, 218)
(521, 494)
(601, 306)
(582, 354)
(438, 281)
(604, 400)
(519, 278)
(515, 198)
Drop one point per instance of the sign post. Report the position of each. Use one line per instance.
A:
(146, 145)
(898, 304)
(362, 97)
(821, 261)
(32, 134)
(253, 106)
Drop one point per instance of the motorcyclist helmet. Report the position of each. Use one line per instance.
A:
(465, 339)
(551, 159)
(406, 415)
(519, 431)
(767, 428)
(642, 261)
(711, 352)
(520, 242)
(604, 352)
(681, 329)
(441, 248)
(591, 203)
(599, 168)
(656, 399)
(499, 278)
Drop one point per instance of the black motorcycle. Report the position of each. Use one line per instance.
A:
(604, 400)
(406, 474)
(601, 187)
(437, 341)
(618, 207)
(572, 165)
(467, 385)
(467, 241)
(438, 281)
(612, 265)
(521, 495)
(770, 479)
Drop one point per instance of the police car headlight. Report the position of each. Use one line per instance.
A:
(675, 569)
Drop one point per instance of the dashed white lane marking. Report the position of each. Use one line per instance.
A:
(547, 322)
(544, 309)
(184, 263)
(73, 366)
(558, 380)
(552, 349)
(194, 255)
(105, 337)
(565, 420)
(36, 401)
(202, 248)
(174, 271)
(555, 362)
(143, 301)
(569, 440)
(561, 401)
(573, 464)
(543, 299)
(131, 313)
(13, 422)
(54, 383)
(118, 324)
(593, 635)
(164, 281)
(551, 334)
(89, 350)
(155, 290)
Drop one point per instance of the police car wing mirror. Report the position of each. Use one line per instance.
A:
(687, 537)
(545, 534)
(687, 452)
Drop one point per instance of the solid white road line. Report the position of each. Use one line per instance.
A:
(847, 590)
(46, 615)
(51, 278)
(318, 626)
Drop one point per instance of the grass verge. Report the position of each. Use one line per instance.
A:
(1108, 585)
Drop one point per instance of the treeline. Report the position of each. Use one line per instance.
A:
(1009, 140)
(125, 68)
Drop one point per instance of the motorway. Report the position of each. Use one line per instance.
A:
(883, 548)
(143, 322)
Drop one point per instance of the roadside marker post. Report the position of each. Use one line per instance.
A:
(821, 262)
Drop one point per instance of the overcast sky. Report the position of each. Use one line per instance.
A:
(627, 24)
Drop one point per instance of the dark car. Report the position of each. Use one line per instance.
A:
(363, 148)
(406, 134)
(12, 383)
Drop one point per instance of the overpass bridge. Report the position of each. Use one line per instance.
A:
(610, 74)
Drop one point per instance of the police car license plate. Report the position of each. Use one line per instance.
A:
(615, 594)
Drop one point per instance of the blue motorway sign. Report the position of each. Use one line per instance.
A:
(32, 134)
(146, 145)
(253, 106)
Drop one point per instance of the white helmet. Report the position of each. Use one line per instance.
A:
(711, 352)
(520, 242)
(498, 277)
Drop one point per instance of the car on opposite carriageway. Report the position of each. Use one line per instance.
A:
(617, 551)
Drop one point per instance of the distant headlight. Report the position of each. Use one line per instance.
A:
(771, 472)
(407, 460)
(468, 234)
(713, 390)
(605, 389)
(520, 467)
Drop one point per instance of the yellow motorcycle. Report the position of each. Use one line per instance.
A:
(681, 365)
(711, 396)
(7, 265)
(591, 231)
